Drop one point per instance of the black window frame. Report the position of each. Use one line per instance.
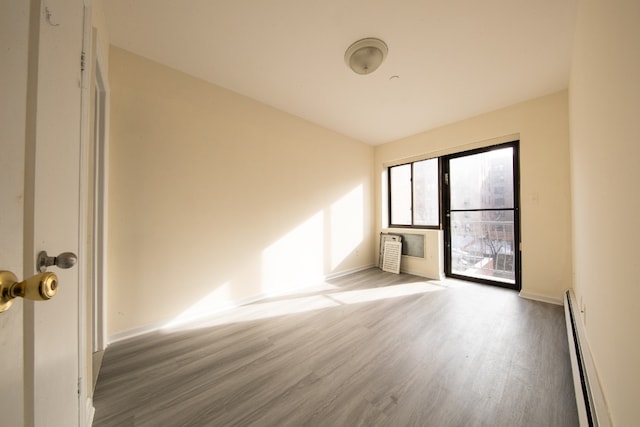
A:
(389, 198)
(446, 210)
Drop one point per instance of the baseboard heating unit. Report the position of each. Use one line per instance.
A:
(592, 409)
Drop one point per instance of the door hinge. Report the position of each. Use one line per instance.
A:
(82, 61)
(446, 178)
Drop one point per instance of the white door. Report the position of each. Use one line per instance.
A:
(40, 173)
(13, 86)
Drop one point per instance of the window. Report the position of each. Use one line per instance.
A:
(414, 194)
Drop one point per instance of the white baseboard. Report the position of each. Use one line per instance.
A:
(541, 298)
(421, 274)
(133, 332)
(342, 273)
(156, 326)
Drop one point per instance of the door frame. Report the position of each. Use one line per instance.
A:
(515, 144)
(93, 148)
(100, 139)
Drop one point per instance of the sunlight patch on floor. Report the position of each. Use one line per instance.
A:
(385, 292)
(301, 304)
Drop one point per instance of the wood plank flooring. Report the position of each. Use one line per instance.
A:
(369, 349)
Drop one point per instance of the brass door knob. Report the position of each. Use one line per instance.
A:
(40, 287)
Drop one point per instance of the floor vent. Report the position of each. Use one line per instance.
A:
(391, 257)
(592, 409)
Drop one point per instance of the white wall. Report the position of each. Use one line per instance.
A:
(605, 153)
(215, 198)
(542, 127)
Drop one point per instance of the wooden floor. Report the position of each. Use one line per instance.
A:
(369, 349)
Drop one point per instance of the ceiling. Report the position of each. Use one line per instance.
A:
(454, 58)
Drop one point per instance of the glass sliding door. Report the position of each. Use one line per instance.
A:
(481, 204)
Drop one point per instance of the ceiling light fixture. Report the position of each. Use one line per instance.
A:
(366, 55)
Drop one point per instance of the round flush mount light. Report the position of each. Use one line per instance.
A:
(366, 55)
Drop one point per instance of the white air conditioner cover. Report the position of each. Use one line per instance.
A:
(384, 237)
(392, 254)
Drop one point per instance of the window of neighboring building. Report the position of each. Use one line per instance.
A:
(414, 194)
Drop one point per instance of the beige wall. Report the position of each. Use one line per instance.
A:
(542, 127)
(605, 148)
(214, 197)
(99, 22)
